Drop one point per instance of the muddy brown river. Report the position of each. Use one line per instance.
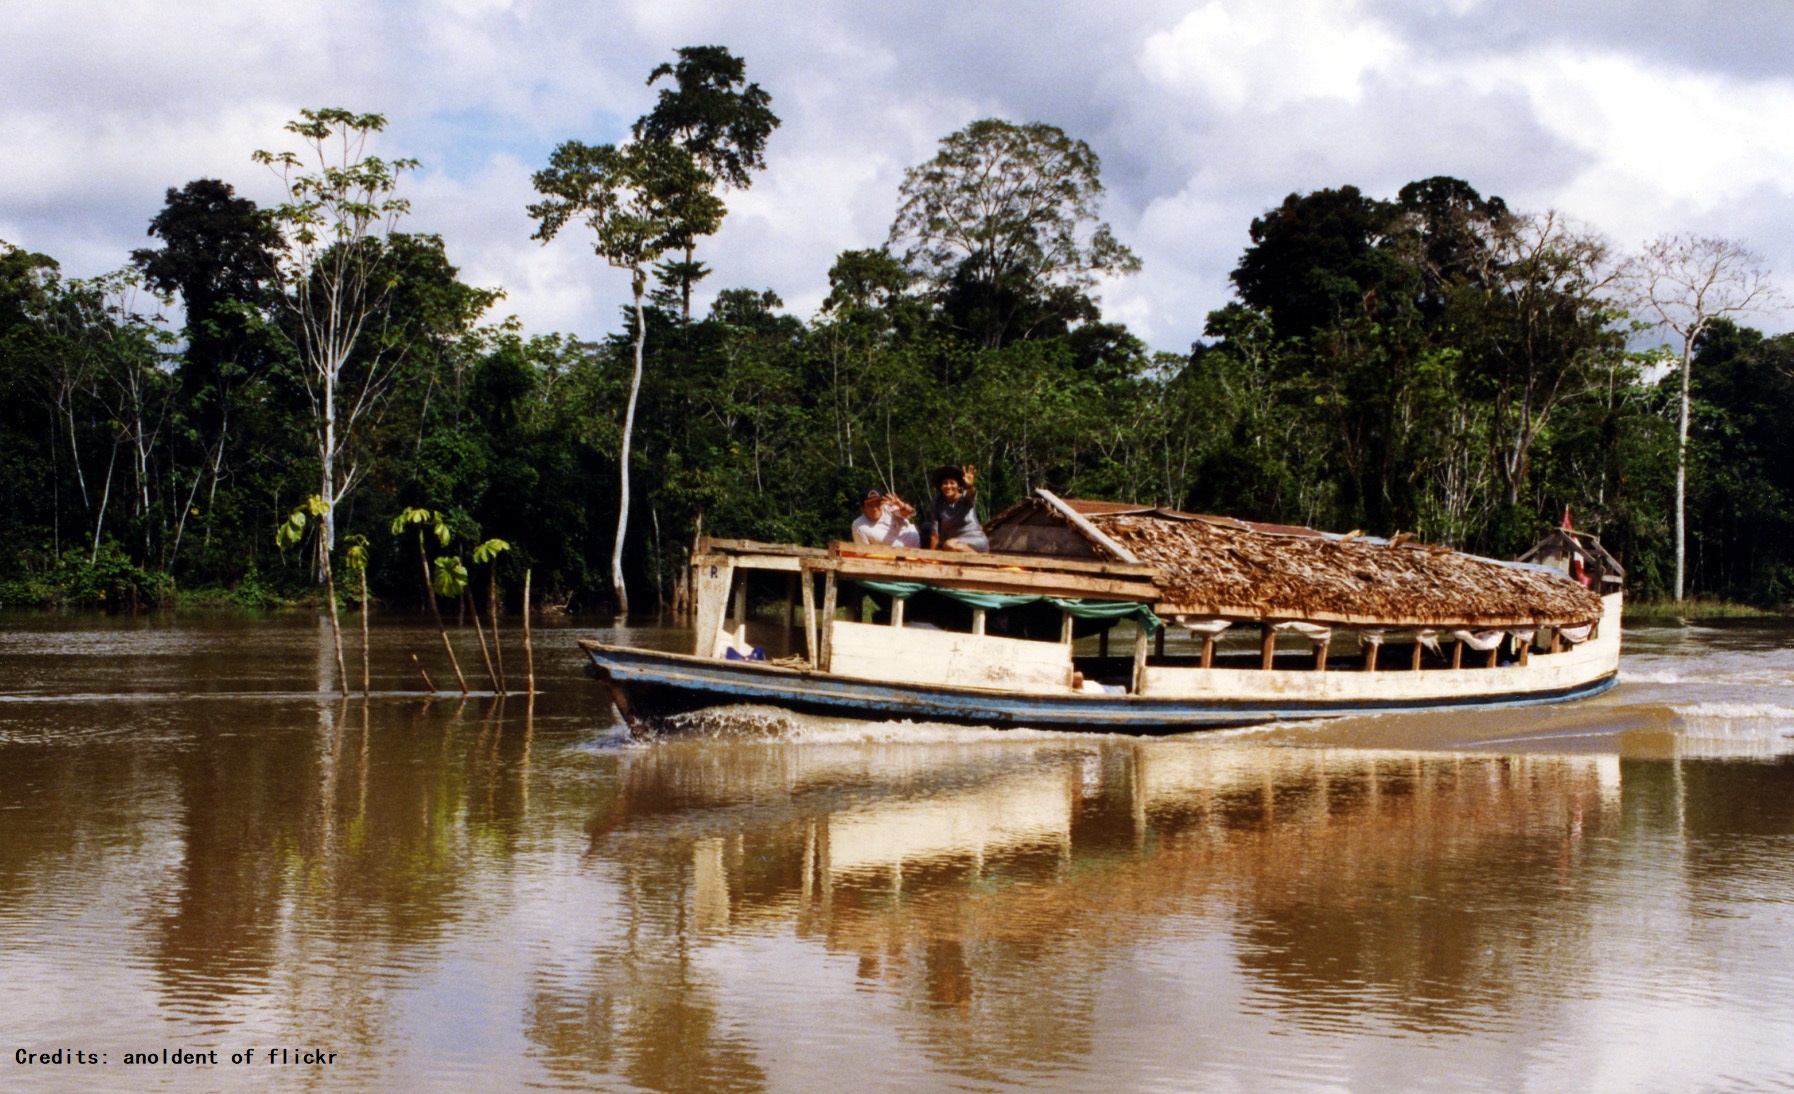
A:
(214, 876)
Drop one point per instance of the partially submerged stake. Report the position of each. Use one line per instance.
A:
(422, 673)
(529, 654)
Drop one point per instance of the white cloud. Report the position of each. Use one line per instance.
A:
(1206, 114)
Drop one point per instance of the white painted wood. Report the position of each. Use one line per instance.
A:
(716, 574)
(1544, 672)
(914, 655)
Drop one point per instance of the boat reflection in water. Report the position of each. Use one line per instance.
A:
(1172, 907)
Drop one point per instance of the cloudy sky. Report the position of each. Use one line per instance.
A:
(1638, 117)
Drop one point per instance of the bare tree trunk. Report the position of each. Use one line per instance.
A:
(365, 676)
(336, 626)
(1682, 473)
(105, 496)
(423, 559)
(635, 386)
(529, 653)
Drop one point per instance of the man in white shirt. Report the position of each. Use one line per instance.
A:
(884, 521)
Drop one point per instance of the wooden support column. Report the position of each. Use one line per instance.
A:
(715, 577)
(1494, 655)
(807, 580)
(1414, 662)
(1371, 650)
(897, 603)
(1208, 651)
(1267, 647)
(1457, 654)
(741, 601)
(1141, 645)
(1065, 627)
(1320, 655)
(977, 620)
(829, 592)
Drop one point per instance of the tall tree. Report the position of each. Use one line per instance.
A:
(1009, 212)
(713, 113)
(341, 207)
(640, 201)
(1683, 284)
(218, 253)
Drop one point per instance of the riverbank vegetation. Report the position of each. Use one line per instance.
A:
(1430, 362)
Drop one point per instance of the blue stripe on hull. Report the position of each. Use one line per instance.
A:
(649, 685)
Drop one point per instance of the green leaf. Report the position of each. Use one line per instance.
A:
(490, 550)
(450, 576)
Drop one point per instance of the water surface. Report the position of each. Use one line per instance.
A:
(201, 851)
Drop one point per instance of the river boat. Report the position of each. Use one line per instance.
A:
(1332, 624)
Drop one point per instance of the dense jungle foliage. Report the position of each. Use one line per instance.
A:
(1429, 362)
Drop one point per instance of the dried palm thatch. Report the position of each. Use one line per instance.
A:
(1216, 566)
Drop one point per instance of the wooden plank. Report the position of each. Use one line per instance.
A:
(950, 658)
(984, 579)
(1077, 520)
(711, 544)
(1239, 614)
(997, 561)
(716, 575)
(1140, 648)
(828, 619)
(809, 594)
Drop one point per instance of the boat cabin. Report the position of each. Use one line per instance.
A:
(1257, 610)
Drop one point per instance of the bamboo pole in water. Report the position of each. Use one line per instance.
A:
(365, 675)
(479, 628)
(498, 648)
(529, 654)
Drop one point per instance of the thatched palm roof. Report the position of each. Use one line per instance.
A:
(1216, 566)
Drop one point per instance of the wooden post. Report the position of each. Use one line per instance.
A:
(808, 580)
(1267, 647)
(529, 652)
(1208, 651)
(897, 603)
(829, 593)
(1494, 655)
(1140, 648)
(741, 607)
(1371, 649)
(716, 577)
(1414, 662)
(1065, 628)
(977, 620)
(1457, 654)
(1557, 641)
(1320, 654)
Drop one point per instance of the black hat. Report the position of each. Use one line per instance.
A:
(945, 472)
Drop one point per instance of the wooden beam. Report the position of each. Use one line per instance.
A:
(1140, 648)
(716, 576)
(1267, 647)
(1096, 534)
(986, 579)
(995, 561)
(808, 580)
(1208, 651)
(828, 617)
